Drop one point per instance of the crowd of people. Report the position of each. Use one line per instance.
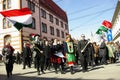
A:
(58, 55)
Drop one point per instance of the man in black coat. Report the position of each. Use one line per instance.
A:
(47, 52)
(83, 51)
(40, 56)
(26, 55)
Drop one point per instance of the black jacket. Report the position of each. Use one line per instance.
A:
(81, 45)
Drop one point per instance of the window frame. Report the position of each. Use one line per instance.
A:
(31, 6)
(44, 27)
(66, 26)
(7, 4)
(43, 13)
(62, 33)
(7, 24)
(57, 21)
(51, 19)
(52, 30)
(58, 32)
(61, 24)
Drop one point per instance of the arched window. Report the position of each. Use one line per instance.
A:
(6, 4)
(7, 38)
(6, 24)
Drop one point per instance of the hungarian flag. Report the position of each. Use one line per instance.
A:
(19, 17)
(101, 29)
(32, 36)
(107, 24)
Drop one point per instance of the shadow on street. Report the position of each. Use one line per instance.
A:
(17, 77)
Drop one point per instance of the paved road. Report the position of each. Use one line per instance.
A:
(103, 72)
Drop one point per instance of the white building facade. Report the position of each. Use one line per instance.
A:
(116, 23)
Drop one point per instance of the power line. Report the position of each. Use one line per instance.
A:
(85, 22)
(91, 14)
(88, 21)
(82, 10)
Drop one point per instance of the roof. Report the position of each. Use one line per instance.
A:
(55, 8)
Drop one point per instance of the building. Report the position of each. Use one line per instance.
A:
(49, 21)
(116, 23)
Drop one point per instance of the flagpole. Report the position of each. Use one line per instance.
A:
(93, 37)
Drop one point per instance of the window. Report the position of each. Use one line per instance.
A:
(57, 22)
(58, 32)
(62, 33)
(31, 6)
(33, 23)
(61, 24)
(6, 24)
(6, 4)
(43, 13)
(29, 3)
(44, 28)
(51, 18)
(9, 24)
(7, 38)
(51, 30)
(66, 27)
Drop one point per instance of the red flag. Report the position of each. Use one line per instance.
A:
(107, 24)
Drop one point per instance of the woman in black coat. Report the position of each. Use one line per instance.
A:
(103, 53)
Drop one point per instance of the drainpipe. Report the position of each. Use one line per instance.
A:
(40, 19)
(21, 31)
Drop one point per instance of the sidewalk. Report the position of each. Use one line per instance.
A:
(103, 72)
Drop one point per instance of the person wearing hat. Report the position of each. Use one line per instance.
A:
(83, 50)
(69, 51)
(39, 56)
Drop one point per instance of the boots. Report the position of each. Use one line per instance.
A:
(71, 70)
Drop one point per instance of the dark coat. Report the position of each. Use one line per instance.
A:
(26, 52)
(39, 49)
(102, 50)
(8, 54)
(54, 48)
(81, 45)
(47, 51)
(91, 52)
